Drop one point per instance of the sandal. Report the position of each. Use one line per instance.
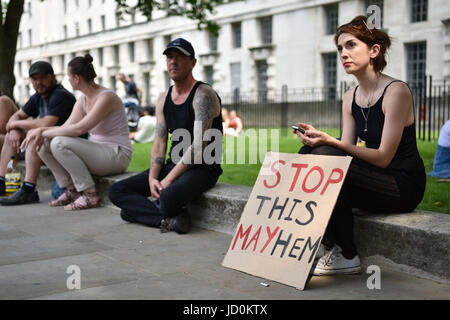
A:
(68, 196)
(87, 200)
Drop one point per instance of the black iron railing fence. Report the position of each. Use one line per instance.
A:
(321, 107)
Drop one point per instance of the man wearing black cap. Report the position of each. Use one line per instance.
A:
(51, 105)
(190, 107)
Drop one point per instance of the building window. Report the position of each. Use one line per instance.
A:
(63, 63)
(209, 75)
(117, 19)
(100, 57)
(147, 88)
(167, 79)
(416, 56)
(30, 37)
(167, 39)
(131, 51)
(167, 6)
(262, 77)
(112, 83)
(235, 80)
(379, 4)
(77, 29)
(329, 74)
(65, 31)
(212, 41)
(331, 18)
(149, 43)
(116, 55)
(266, 30)
(65, 6)
(236, 30)
(89, 25)
(19, 40)
(27, 91)
(103, 22)
(29, 8)
(419, 10)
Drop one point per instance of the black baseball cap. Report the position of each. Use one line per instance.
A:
(183, 45)
(40, 67)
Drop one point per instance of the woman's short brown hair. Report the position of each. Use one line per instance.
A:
(358, 27)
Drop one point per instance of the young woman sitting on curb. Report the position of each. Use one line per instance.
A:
(386, 176)
(73, 160)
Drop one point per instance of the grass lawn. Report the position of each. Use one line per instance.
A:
(437, 194)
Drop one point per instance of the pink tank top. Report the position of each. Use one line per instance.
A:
(112, 129)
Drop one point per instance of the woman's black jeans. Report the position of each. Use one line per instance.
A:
(365, 187)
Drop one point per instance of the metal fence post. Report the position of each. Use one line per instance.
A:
(430, 105)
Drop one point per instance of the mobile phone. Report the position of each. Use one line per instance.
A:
(298, 129)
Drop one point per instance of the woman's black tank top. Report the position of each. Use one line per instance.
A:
(407, 165)
(182, 116)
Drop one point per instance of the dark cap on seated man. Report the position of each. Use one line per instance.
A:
(40, 67)
(183, 45)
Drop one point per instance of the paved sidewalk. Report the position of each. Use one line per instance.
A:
(119, 260)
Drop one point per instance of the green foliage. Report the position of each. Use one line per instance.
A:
(196, 10)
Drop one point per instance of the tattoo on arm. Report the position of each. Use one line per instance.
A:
(161, 130)
(205, 104)
(158, 161)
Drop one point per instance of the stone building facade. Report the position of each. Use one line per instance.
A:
(263, 45)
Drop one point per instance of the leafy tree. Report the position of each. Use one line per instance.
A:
(11, 13)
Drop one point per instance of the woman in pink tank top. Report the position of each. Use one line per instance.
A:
(73, 160)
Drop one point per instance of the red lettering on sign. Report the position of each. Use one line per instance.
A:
(254, 238)
(299, 167)
(272, 168)
(316, 168)
(271, 235)
(331, 180)
(241, 234)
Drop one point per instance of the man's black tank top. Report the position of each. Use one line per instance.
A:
(182, 116)
(407, 165)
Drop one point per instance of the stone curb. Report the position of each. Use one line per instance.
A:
(420, 239)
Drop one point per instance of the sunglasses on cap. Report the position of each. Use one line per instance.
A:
(356, 23)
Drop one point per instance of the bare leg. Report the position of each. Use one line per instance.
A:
(7, 152)
(32, 165)
(7, 109)
(2, 140)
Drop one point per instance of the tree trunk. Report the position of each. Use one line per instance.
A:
(9, 31)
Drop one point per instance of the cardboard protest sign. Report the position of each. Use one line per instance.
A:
(284, 220)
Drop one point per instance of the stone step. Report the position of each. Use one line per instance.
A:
(417, 242)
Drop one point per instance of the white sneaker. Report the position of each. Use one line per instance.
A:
(323, 250)
(335, 263)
